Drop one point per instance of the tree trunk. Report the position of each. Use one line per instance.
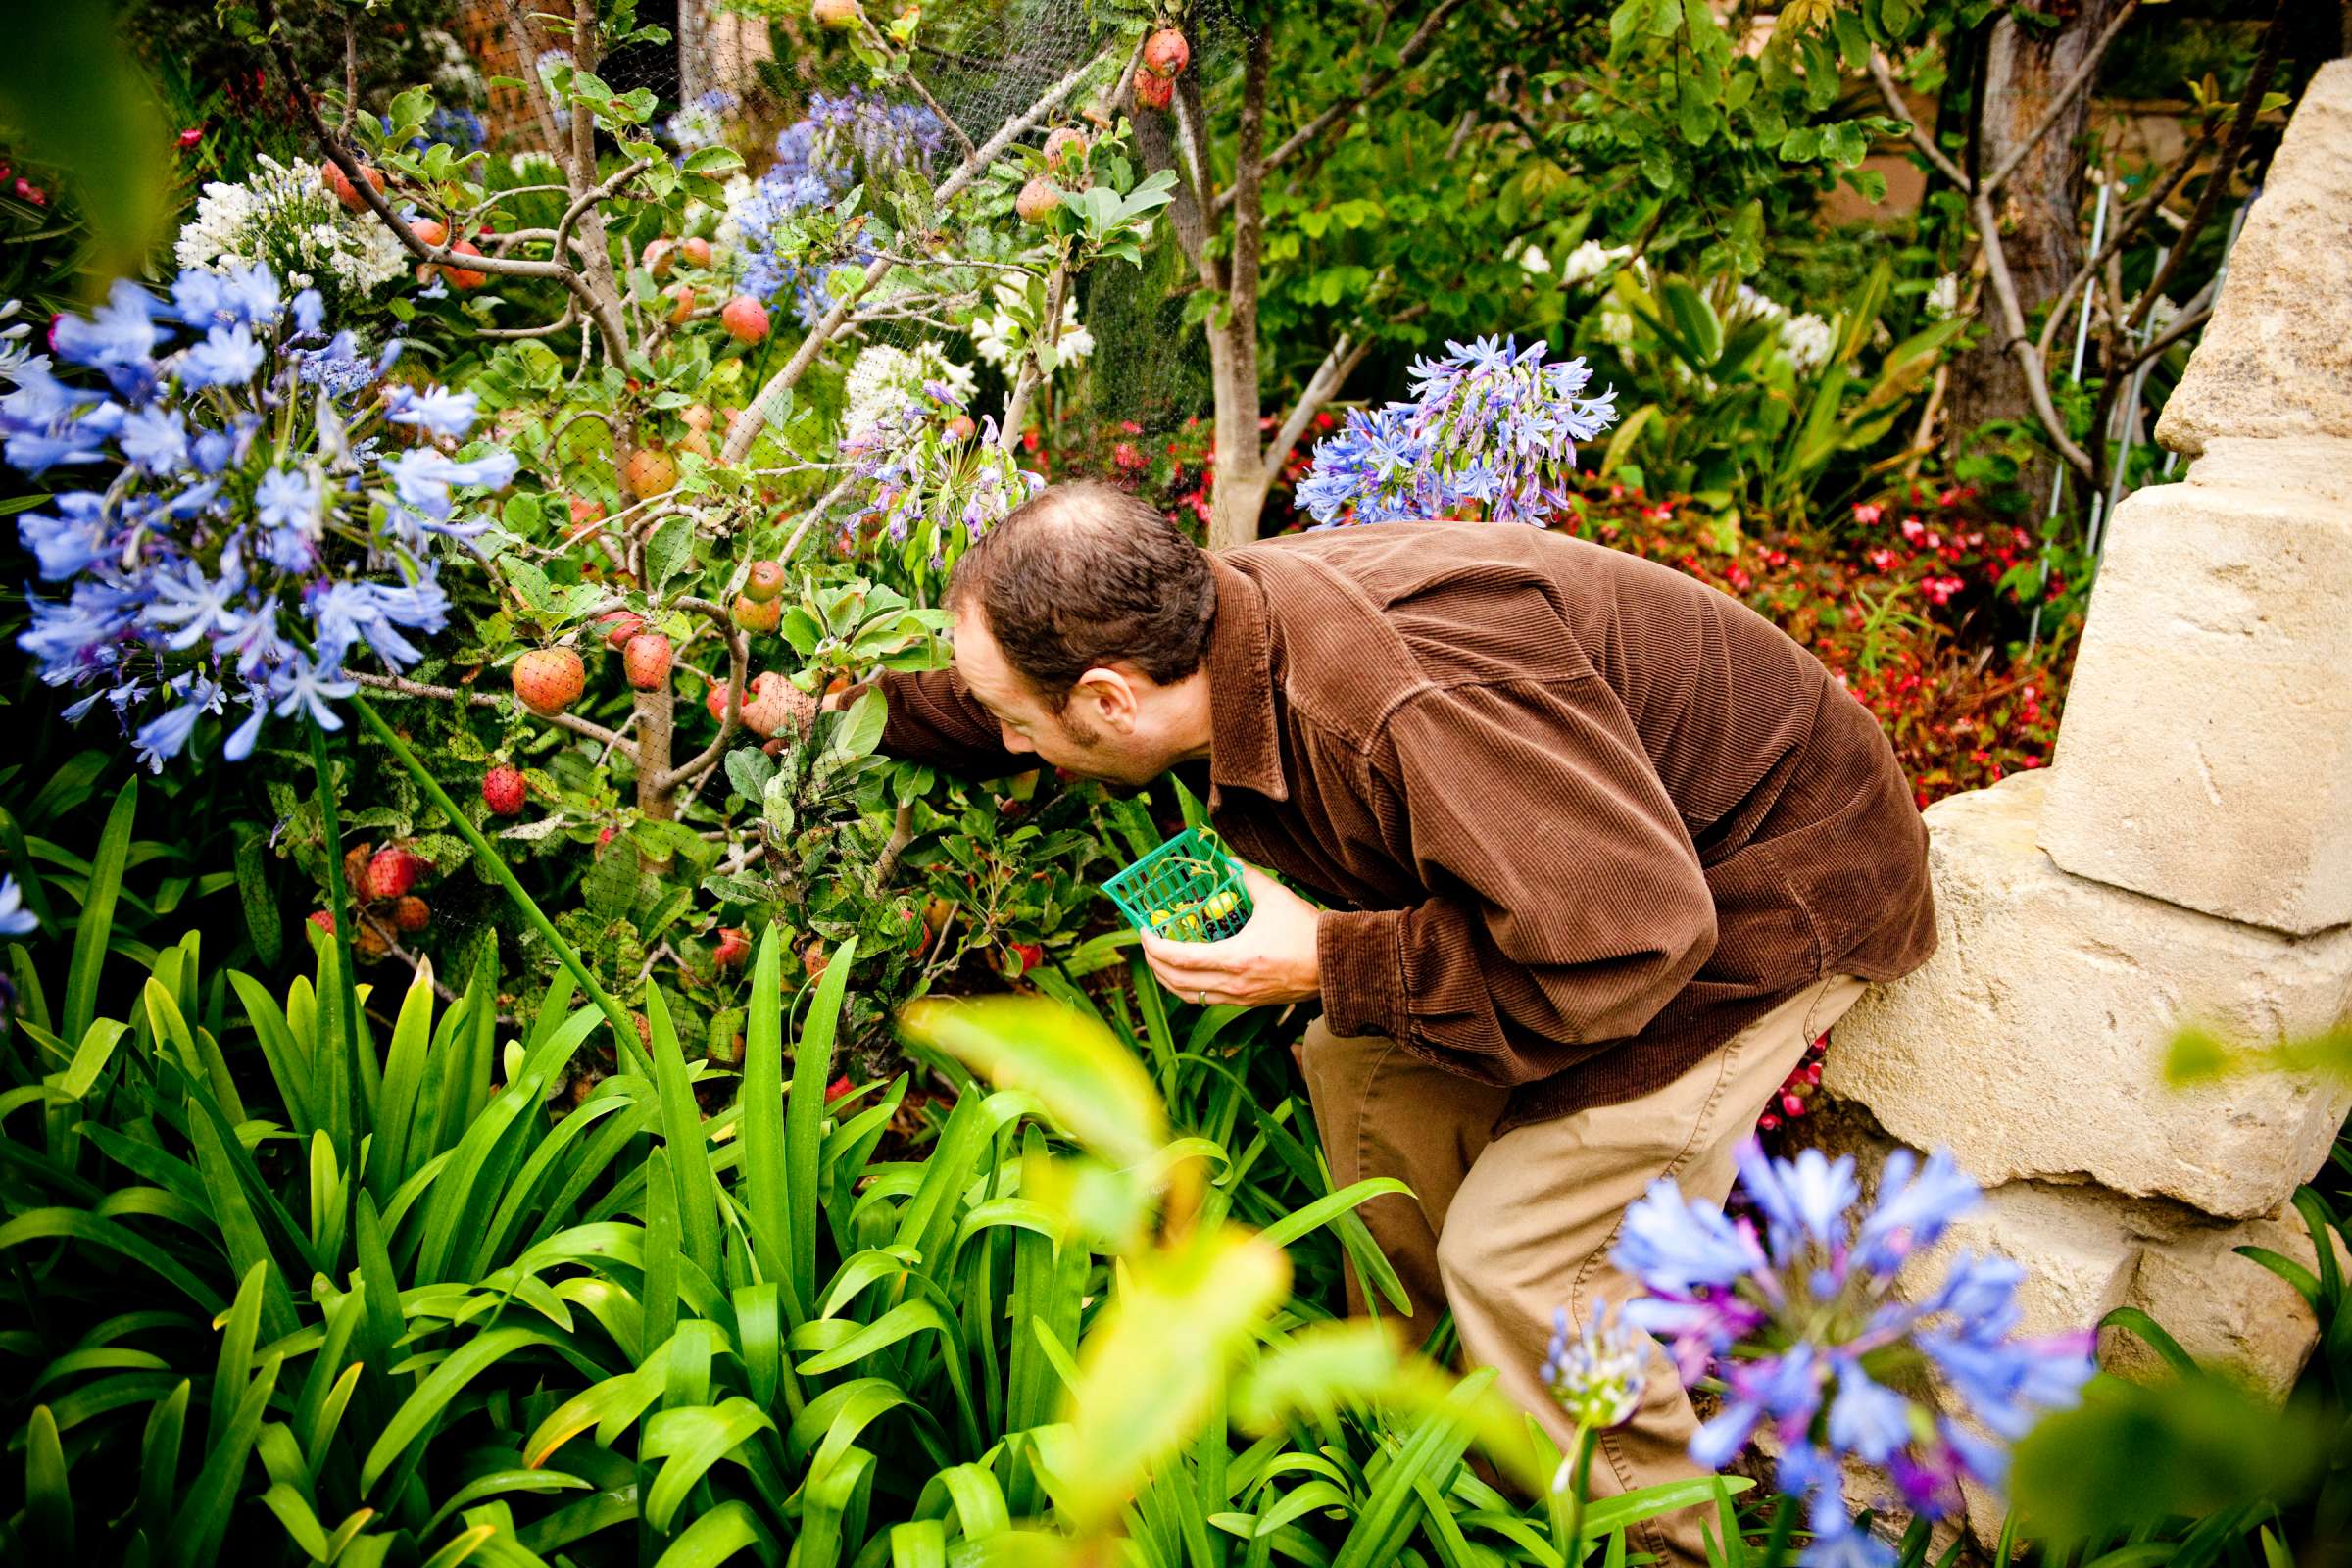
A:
(1238, 493)
(656, 715)
(695, 62)
(2023, 70)
(1237, 497)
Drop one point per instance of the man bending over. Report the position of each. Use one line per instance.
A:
(1600, 851)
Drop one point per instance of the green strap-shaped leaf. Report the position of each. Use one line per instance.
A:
(48, 1500)
(95, 929)
(288, 1060)
(195, 1536)
(689, 1441)
(689, 1147)
(766, 1180)
(391, 1158)
(805, 1111)
(444, 1383)
(719, 1537)
(235, 1368)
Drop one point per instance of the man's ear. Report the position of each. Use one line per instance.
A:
(1111, 695)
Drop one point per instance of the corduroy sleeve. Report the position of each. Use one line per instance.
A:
(1568, 904)
(935, 719)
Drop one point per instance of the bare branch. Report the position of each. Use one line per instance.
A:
(2028, 356)
(1024, 384)
(402, 686)
(503, 334)
(1884, 76)
(588, 198)
(2249, 102)
(875, 41)
(739, 656)
(1374, 84)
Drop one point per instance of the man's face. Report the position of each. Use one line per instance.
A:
(1110, 729)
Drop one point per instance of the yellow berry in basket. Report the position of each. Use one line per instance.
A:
(1220, 905)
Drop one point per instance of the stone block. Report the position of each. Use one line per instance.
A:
(2032, 1043)
(2206, 754)
(2226, 1310)
(2275, 360)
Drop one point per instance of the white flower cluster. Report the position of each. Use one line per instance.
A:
(1592, 259)
(455, 75)
(1806, 339)
(999, 337)
(1944, 298)
(885, 379)
(285, 219)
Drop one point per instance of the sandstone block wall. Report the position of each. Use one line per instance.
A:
(2187, 860)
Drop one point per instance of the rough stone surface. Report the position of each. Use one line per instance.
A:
(2032, 1043)
(2226, 1310)
(2206, 754)
(2275, 359)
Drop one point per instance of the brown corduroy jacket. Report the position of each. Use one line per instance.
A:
(1579, 819)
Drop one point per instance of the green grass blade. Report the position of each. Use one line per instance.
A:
(390, 1156)
(289, 1063)
(689, 1146)
(768, 1186)
(719, 1537)
(804, 1114)
(196, 1534)
(95, 927)
(234, 1370)
(48, 1498)
(446, 1380)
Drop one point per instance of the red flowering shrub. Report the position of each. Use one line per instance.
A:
(1906, 607)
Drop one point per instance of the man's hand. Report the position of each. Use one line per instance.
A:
(1269, 960)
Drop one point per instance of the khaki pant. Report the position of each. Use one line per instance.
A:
(1510, 1229)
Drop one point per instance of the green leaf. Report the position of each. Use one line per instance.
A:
(804, 1110)
(95, 927)
(689, 1146)
(1087, 1081)
(689, 1441)
(264, 919)
(48, 1500)
(196, 1534)
(422, 1407)
(720, 1536)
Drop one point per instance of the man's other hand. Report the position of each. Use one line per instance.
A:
(1267, 961)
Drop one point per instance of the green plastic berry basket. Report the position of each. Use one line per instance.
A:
(1188, 890)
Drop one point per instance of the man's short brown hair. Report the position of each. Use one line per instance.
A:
(1084, 575)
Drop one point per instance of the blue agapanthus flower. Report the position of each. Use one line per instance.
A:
(837, 143)
(1811, 1338)
(16, 921)
(237, 537)
(1490, 425)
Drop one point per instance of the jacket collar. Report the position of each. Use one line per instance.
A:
(1245, 746)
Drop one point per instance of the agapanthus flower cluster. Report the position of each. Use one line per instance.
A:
(837, 143)
(1596, 1376)
(1490, 425)
(1813, 1338)
(286, 220)
(937, 481)
(883, 379)
(242, 532)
